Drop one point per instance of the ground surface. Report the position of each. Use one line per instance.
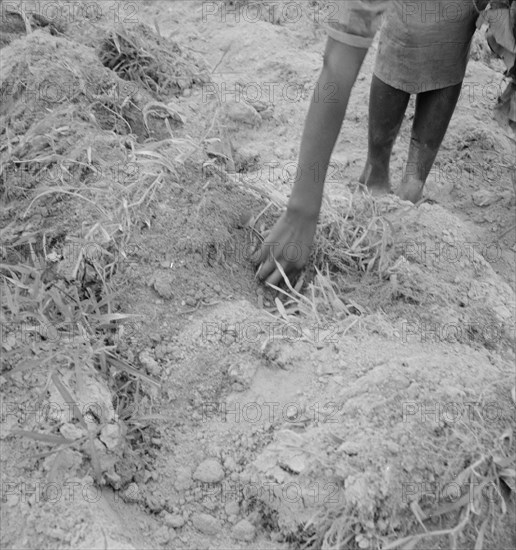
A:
(399, 392)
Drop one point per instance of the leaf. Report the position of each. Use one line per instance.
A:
(28, 364)
(411, 544)
(108, 318)
(58, 449)
(45, 438)
(121, 365)
(281, 308)
(509, 477)
(502, 462)
(68, 399)
(418, 512)
(11, 304)
(479, 543)
(95, 459)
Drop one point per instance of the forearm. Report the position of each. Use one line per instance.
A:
(323, 124)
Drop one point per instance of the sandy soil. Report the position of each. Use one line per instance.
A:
(249, 426)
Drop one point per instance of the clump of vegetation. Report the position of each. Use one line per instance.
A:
(158, 64)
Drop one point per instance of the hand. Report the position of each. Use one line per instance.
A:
(289, 242)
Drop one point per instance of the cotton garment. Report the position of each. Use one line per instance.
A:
(355, 22)
(424, 44)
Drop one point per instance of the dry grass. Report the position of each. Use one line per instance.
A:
(354, 238)
(480, 464)
(158, 64)
(78, 156)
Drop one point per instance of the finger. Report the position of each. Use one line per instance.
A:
(259, 256)
(265, 253)
(265, 269)
(275, 278)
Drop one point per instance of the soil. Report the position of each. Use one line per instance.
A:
(247, 424)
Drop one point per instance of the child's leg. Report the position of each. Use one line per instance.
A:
(387, 106)
(434, 110)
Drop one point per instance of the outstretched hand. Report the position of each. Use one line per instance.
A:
(289, 243)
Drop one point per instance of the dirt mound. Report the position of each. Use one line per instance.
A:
(63, 110)
(14, 24)
(225, 415)
(76, 179)
(412, 438)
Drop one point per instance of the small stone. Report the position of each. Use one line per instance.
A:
(209, 505)
(267, 114)
(350, 448)
(159, 352)
(183, 479)
(230, 464)
(113, 479)
(484, 197)
(244, 530)
(163, 286)
(243, 113)
(111, 436)
(71, 431)
(162, 535)
(209, 471)
(154, 504)
(149, 362)
(206, 524)
(174, 520)
(259, 105)
(132, 493)
(232, 508)
(242, 372)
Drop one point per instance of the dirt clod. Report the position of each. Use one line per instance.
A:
(174, 520)
(148, 361)
(206, 524)
(244, 530)
(243, 113)
(209, 471)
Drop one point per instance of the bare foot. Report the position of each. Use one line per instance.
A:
(411, 190)
(376, 182)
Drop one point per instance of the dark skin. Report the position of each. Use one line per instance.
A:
(387, 107)
(291, 238)
(322, 127)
